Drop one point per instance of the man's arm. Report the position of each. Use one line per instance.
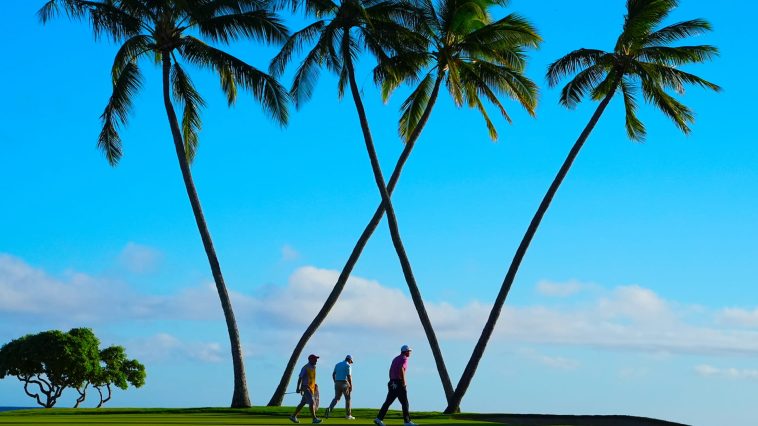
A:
(299, 382)
(350, 381)
(334, 375)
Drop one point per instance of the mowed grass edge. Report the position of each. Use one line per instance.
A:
(279, 416)
(213, 416)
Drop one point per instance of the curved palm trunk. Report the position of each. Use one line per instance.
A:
(240, 397)
(331, 300)
(489, 327)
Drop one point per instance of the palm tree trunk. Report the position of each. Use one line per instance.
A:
(489, 327)
(331, 300)
(405, 264)
(240, 397)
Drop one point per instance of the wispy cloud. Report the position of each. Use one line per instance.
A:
(727, 373)
(739, 317)
(289, 253)
(565, 289)
(140, 259)
(556, 362)
(631, 317)
(164, 347)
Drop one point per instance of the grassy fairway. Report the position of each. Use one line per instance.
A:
(278, 416)
(209, 416)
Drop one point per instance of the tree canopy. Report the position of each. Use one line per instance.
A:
(51, 361)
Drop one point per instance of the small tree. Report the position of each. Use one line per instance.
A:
(51, 361)
(116, 370)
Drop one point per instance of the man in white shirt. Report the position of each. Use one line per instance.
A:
(343, 385)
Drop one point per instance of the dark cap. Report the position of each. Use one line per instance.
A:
(312, 357)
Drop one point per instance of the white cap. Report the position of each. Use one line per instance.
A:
(405, 348)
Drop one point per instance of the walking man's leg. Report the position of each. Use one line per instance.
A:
(348, 409)
(391, 395)
(402, 396)
(339, 389)
(293, 417)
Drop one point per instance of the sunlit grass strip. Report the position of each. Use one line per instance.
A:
(210, 416)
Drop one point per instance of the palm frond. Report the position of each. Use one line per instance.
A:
(228, 85)
(510, 31)
(512, 57)
(105, 17)
(342, 82)
(317, 8)
(465, 16)
(453, 83)
(189, 98)
(260, 25)
(129, 52)
(675, 32)
(211, 8)
(680, 55)
(672, 78)
(478, 85)
(413, 107)
(572, 63)
(677, 112)
(641, 17)
(116, 112)
(403, 67)
(307, 73)
(634, 127)
(293, 45)
(610, 83)
(490, 127)
(501, 80)
(584, 82)
(52, 8)
(264, 88)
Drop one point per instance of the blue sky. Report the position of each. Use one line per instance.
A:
(636, 297)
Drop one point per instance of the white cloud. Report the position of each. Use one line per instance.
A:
(289, 253)
(556, 362)
(728, 373)
(139, 259)
(164, 347)
(553, 289)
(635, 303)
(629, 318)
(739, 317)
(25, 290)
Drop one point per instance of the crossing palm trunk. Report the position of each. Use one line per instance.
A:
(240, 398)
(481, 344)
(418, 302)
(278, 396)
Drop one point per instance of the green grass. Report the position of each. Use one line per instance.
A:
(279, 415)
(210, 416)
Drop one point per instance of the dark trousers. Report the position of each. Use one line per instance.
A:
(395, 390)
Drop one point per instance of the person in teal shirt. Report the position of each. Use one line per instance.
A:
(343, 385)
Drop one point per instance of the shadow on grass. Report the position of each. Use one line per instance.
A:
(555, 419)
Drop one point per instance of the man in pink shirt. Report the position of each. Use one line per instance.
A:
(396, 388)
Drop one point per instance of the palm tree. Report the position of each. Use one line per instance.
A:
(161, 30)
(440, 52)
(642, 60)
